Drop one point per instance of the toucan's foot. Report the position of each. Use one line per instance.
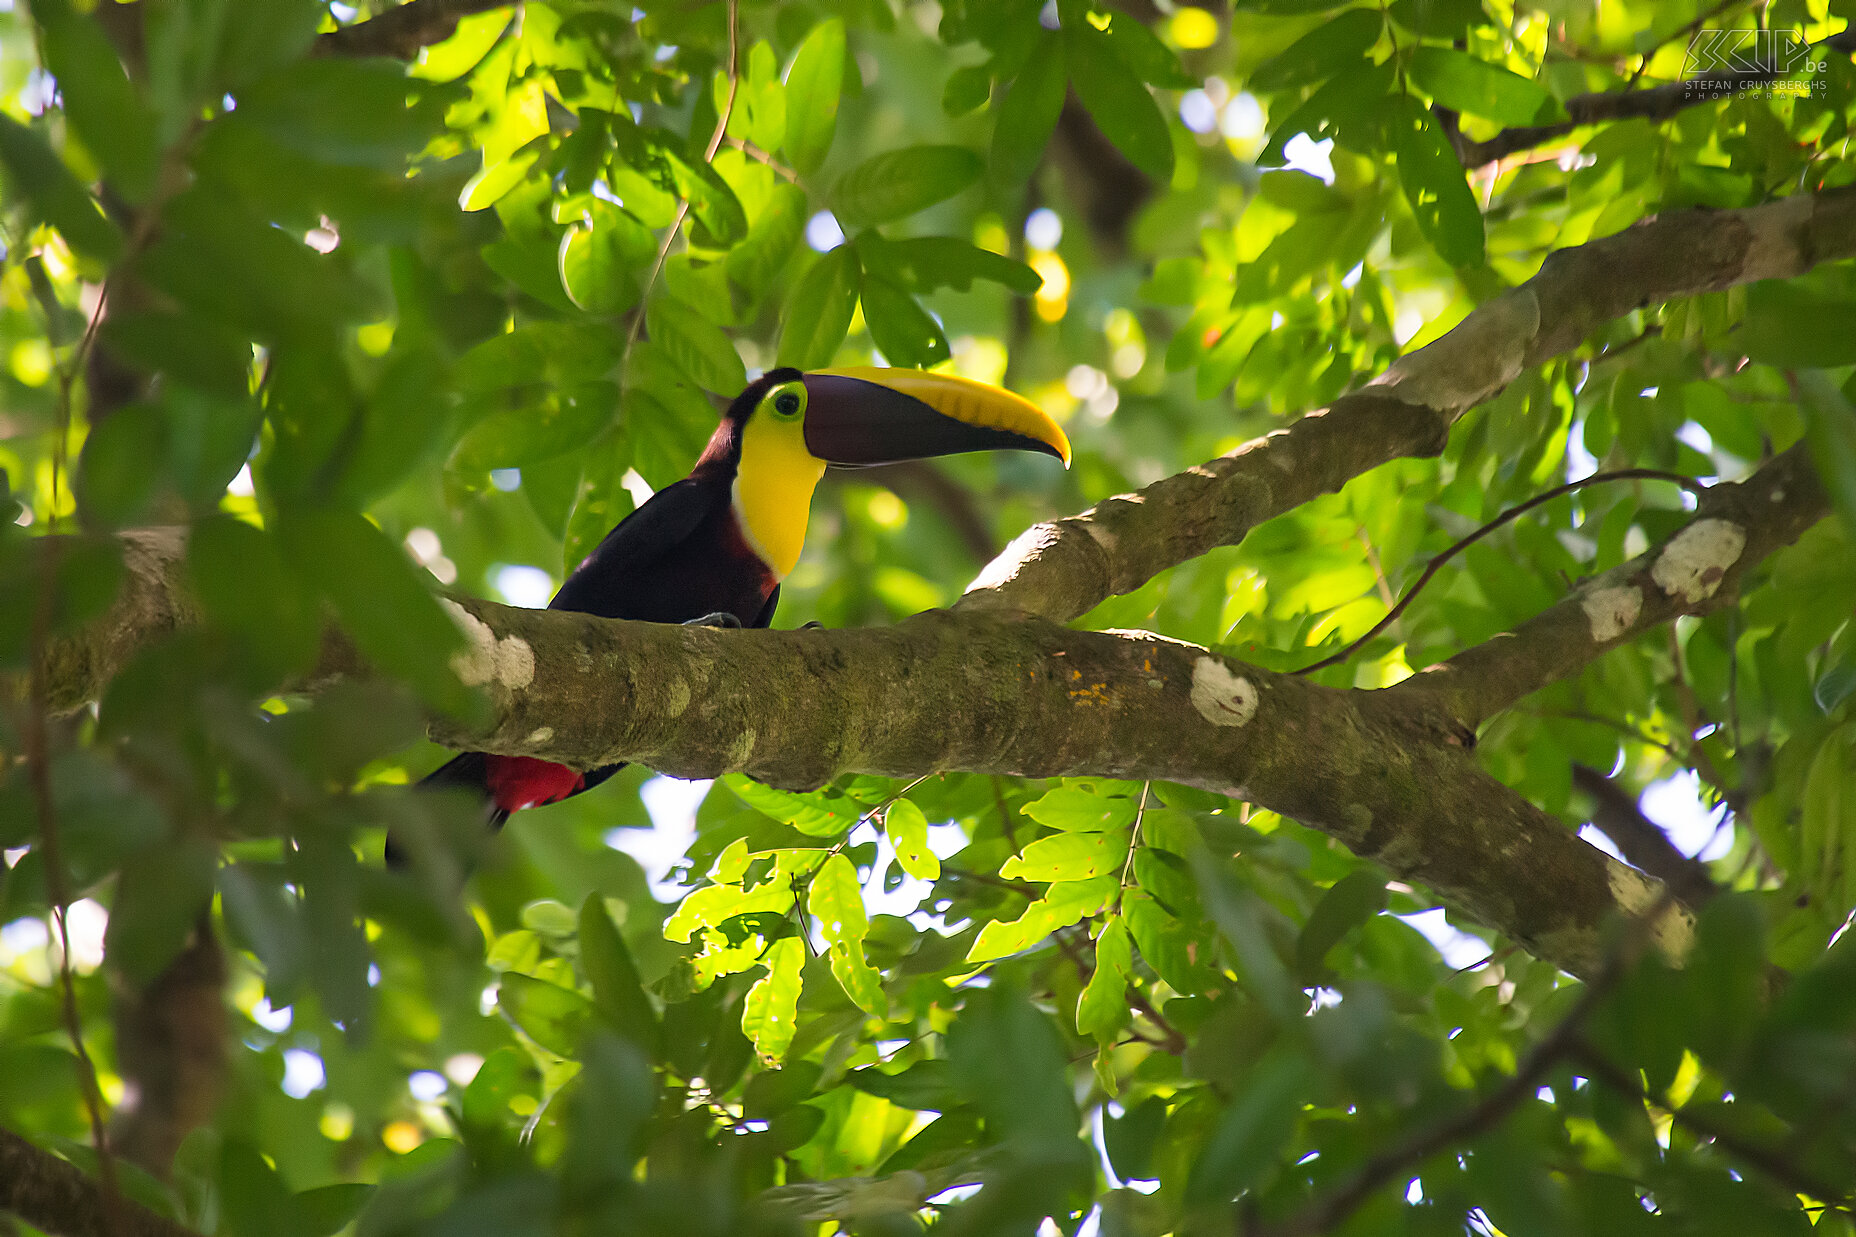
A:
(720, 618)
(813, 625)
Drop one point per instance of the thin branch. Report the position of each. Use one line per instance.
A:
(403, 32)
(1513, 513)
(1657, 103)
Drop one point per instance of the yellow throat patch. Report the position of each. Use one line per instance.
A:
(773, 489)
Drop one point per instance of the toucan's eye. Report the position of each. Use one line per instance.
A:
(788, 401)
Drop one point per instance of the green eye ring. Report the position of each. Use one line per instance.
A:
(787, 401)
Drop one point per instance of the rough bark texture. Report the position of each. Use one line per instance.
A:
(1065, 568)
(55, 1196)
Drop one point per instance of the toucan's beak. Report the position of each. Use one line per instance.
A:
(865, 415)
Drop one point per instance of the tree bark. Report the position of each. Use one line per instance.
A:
(55, 1195)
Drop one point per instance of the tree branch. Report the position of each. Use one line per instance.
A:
(1641, 839)
(404, 31)
(1065, 568)
(1657, 103)
(1695, 570)
(54, 1195)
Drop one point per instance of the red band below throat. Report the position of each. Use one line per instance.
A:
(517, 782)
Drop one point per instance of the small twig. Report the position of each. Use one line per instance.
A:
(760, 156)
(1134, 839)
(683, 206)
(1637, 341)
(38, 761)
(1436, 564)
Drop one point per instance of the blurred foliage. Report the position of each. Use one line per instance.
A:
(473, 307)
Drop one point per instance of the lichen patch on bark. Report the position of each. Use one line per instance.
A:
(508, 661)
(1611, 611)
(1637, 896)
(1696, 559)
(1221, 697)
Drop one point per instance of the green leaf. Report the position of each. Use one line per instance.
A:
(898, 183)
(1166, 942)
(1248, 1143)
(968, 89)
(602, 500)
(1793, 325)
(381, 599)
(924, 263)
(1102, 1009)
(1238, 912)
(818, 313)
(98, 100)
(1008, 1060)
(757, 261)
(907, 828)
(1063, 904)
(1074, 810)
(53, 194)
(1118, 102)
(162, 894)
(925, 1085)
(552, 1016)
(1468, 84)
(837, 904)
(1830, 431)
(1351, 901)
(1439, 19)
(819, 814)
(1130, 1139)
(712, 203)
(1028, 114)
(1329, 48)
(1434, 184)
(900, 327)
(505, 1074)
(1069, 857)
(697, 346)
(240, 578)
(618, 993)
(813, 85)
(1350, 108)
(327, 1210)
(599, 257)
(1142, 51)
(557, 421)
(770, 1014)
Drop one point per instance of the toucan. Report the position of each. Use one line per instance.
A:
(713, 547)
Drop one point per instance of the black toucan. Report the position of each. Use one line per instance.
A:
(714, 546)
